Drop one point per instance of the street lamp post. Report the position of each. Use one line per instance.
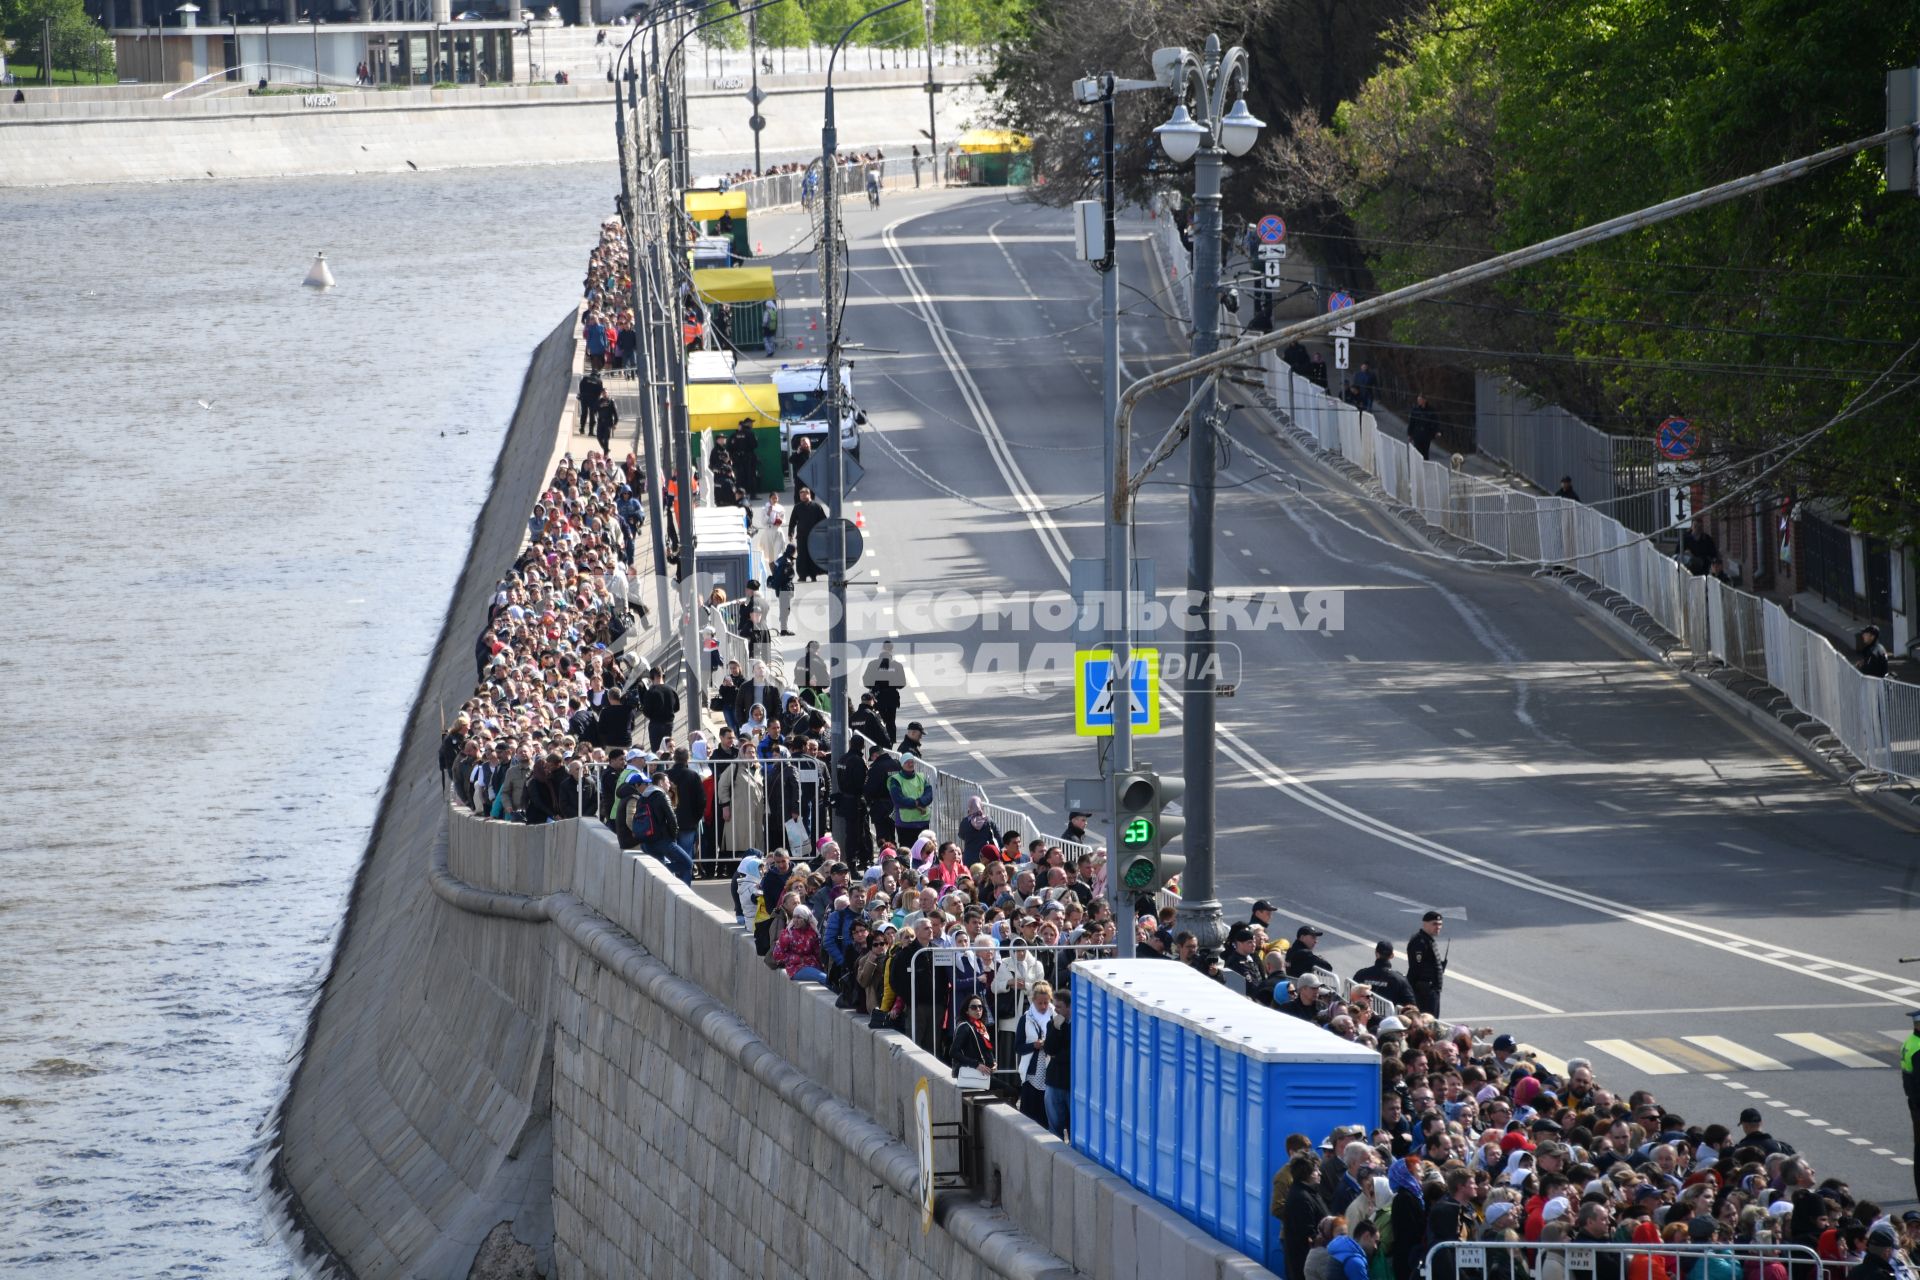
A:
(683, 428)
(839, 658)
(1206, 135)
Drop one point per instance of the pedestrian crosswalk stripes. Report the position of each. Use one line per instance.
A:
(1738, 1054)
(1718, 1055)
(1830, 1047)
(1637, 1058)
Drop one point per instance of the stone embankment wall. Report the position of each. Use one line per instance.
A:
(65, 142)
(535, 1054)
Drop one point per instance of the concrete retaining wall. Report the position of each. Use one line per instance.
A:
(58, 143)
(536, 1054)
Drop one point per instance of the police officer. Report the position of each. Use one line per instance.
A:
(1425, 969)
(1908, 1053)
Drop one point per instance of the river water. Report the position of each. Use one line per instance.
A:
(233, 511)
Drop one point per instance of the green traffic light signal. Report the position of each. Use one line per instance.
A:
(1138, 832)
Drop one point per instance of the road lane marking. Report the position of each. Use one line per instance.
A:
(1524, 767)
(1608, 804)
(1736, 1053)
(1053, 543)
(1740, 848)
(1432, 711)
(1556, 1065)
(956, 735)
(1827, 1048)
(1636, 1057)
(988, 765)
(1465, 733)
(1030, 798)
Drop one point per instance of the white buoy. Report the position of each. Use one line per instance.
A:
(318, 276)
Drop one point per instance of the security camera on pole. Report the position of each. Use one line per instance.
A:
(1206, 133)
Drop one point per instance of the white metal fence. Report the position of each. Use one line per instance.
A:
(1543, 442)
(1877, 720)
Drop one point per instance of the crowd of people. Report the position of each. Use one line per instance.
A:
(967, 944)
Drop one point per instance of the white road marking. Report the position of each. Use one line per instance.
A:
(1737, 1054)
(955, 734)
(1453, 975)
(1465, 733)
(1790, 1111)
(1556, 1065)
(1829, 1049)
(1905, 991)
(1030, 798)
(1608, 804)
(1634, 1056)
(1053, 543)
(987, 764)
(1524, 767)
(1740, 848)
(1432, 711)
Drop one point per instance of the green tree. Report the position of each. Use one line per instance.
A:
(75, 35)
(785, 25)
(1506, 121)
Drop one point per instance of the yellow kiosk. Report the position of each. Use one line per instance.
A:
(723, 406)
(753, 313)
(705, 208)
(994, 158)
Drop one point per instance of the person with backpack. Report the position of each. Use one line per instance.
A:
(655, 827)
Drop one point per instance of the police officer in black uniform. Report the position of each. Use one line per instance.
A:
(1425, 969)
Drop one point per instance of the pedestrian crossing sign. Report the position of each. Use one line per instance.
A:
(1094, 695)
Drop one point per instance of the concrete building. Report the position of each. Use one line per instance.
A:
(195, 41)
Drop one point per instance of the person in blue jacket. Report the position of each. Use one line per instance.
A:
(1353, 1251)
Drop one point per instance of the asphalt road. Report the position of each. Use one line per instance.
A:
(1630, 873)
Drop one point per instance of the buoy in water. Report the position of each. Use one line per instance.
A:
(318, 276)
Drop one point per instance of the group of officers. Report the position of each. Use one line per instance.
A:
(1419, 986)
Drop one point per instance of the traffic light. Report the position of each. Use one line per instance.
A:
(1145, 829)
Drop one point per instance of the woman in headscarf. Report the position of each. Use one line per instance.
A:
(976, 830)
(1408, 1216)
(922, 852)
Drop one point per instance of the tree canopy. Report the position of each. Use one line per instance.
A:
(1497, 123)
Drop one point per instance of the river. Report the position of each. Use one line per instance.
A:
(234, 509)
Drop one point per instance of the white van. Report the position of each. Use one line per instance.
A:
(803, 406)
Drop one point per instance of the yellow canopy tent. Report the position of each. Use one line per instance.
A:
(734, 284)
(707, 206)
(991, 142)
(722, 406)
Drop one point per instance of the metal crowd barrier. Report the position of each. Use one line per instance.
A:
(1874, 718)
(942, 979)
(1581, 1260)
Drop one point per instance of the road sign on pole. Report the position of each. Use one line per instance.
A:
(1340, 300)
(836, 544)
(1676, 439)
(1340, 353)
(1272, 229)
(1094, 693)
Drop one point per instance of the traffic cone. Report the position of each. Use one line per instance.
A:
(759, 248)
(859, 518)
(799, 344)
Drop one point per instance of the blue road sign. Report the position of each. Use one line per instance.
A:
(1272, 229)
(1676, 439)
(1339, 300)
(1093, 700)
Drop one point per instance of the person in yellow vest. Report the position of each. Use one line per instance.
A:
(1908, 1052)
(912, 793)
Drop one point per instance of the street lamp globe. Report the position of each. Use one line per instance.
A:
(1240, 129)
(1180, 136)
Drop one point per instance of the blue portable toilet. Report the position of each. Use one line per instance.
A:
(1188, 1091)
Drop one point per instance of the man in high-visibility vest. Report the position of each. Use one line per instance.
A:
(1909, 1052)
(912, 794)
